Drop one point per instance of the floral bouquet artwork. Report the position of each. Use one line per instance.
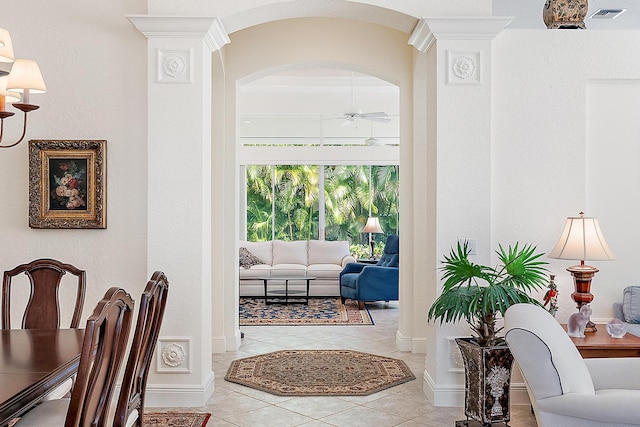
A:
(68, 184)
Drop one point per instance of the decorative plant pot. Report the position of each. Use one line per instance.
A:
(487, 380)
(565, 13)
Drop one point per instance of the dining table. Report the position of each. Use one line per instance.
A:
(33, 362)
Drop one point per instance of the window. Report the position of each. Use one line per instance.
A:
(283, 201)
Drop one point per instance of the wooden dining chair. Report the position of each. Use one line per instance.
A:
(43, 306)
(103, 350)
(130, 407)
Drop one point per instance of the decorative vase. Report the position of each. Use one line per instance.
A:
(487, 381)
(568, 14)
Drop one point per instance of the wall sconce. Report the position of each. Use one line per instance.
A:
(582, 240)
(19, 78)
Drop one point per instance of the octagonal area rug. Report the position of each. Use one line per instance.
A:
(319, 373)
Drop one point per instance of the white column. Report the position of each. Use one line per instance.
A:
(179, 200)
(457, 73)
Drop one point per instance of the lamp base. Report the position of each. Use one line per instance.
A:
(372, 242)
(582, 275)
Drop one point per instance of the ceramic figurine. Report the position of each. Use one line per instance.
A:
(551, 297)
(578, 321)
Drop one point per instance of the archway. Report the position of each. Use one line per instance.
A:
(370, 48)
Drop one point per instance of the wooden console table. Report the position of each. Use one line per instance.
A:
(600, 344)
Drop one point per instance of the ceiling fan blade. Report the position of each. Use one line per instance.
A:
(378, 119)
(346, 122)
(375, 114)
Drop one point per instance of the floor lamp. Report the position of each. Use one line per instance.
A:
(582, 240)
(373, 224)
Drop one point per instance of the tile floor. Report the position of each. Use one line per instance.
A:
(403, 405)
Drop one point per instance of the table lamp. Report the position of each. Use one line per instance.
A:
(372, 226)
(582, 240)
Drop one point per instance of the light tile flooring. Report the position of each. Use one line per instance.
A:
(402, 405)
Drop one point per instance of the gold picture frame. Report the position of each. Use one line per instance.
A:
(67, 184)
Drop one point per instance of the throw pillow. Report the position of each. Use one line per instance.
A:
(247, 259)
(631, 304)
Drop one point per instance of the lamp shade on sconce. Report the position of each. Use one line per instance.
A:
(20, 78)
(372, 225)
(8, 96)
(25, 75)
(582, 240)
(6, 51)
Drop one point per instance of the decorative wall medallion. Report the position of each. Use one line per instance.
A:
(463, 67)
(173, 355)
(174, 66)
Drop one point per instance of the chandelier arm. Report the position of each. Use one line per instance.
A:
(24, 132)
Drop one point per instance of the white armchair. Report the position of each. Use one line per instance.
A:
(565, 389)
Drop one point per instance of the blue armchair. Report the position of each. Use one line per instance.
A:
(377, 282)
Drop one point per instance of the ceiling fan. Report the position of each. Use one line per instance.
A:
(354, 114)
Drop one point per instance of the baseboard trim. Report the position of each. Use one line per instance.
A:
(452, 395)
(419, 345)
(519, 394)
(403, 343)
(179, 395)
(219, 345)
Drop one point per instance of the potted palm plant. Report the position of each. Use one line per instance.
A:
(477, 294)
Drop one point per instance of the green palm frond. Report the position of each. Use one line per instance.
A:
(477, 293)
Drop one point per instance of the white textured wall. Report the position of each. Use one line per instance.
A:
(93, 63)
(565, 140)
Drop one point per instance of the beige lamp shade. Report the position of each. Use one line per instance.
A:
(6, 51)
(372, 225)
(582, 240)
(25, 75)
(8, 96)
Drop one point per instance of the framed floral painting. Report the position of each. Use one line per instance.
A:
(67, 184)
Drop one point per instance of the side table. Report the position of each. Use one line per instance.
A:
(601, 344)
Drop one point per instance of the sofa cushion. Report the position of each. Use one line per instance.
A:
(247, 259)
(324, 271)
(260, 270)
(631, 304)
(290, 252)
(263, 250)
(327, 252)
(288, 270)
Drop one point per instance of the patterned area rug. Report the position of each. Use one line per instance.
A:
(319, 373)
(320, 311)
(167, 419)
(175, 419)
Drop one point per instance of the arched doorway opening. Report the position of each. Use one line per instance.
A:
(371, 49)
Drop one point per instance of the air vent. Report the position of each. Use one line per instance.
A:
(607, 13)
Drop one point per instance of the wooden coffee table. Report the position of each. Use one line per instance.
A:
(600, 344)
(286, 292)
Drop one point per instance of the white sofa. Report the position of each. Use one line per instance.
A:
(318, 258)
